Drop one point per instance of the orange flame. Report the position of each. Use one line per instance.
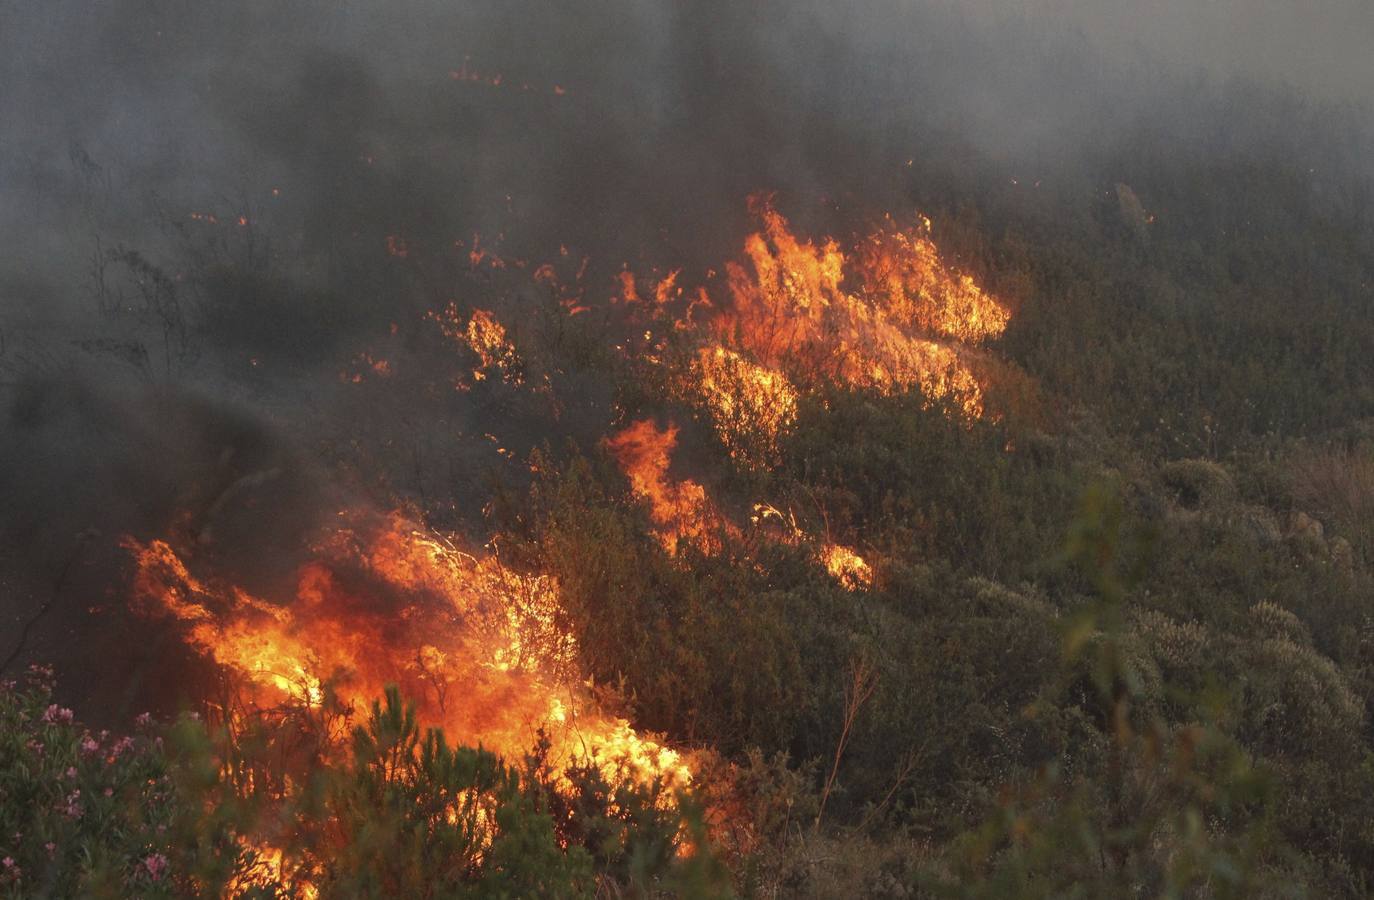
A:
(792, 311)
(486, 337)
(679, 508)
(846, 566)
(480, 647)
(905, 270)
(751, 406)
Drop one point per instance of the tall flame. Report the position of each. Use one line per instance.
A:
(480, 647)
(679, 509)
(890, 317)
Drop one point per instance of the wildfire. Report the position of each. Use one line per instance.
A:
(904, 269)
(272, 869)
(484, 647)
(888, 325)
(846, 566)
(750, 406)
(679, 508)
(486, 338)
(480, 647)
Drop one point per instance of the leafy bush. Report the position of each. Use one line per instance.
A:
(100, 815)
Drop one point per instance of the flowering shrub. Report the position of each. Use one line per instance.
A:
(85, 814)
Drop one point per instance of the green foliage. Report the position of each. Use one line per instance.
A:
(1167, 810)
(914, 480)
(98, 815)
(414, 817)
(731, 649)
(1162, 704)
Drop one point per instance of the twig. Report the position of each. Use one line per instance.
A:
(862, 681)
(909, 762)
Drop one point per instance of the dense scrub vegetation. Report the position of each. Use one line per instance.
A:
(1118, 641)
(1174, 700)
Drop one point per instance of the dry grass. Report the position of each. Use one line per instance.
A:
(1337, 485)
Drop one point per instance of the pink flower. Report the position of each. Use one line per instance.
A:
(109, 792)
(71, 771)
(72, 810)
(50, 847)
(55, 713)
(144, 718)
(156, 864)
(122, 745)
(89, 745)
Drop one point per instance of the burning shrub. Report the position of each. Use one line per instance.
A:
(749, 406)
(905, 328)
(174, 812)
(412, 817)
(732, 647)
(406, 814)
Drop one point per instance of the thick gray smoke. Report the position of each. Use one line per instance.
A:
(118, 114)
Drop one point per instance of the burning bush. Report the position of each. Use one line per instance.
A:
(396, 811)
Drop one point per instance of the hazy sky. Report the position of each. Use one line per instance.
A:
(1324, 46)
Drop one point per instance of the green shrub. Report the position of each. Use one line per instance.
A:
(100, 815)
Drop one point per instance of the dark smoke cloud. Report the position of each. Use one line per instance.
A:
(83, 467)
(146, 461)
